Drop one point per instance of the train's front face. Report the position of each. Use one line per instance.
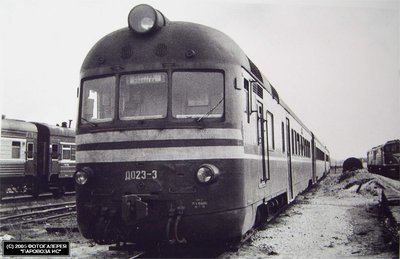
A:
(392, 155)
(157, 157)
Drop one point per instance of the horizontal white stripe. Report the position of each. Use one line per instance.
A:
(165, 134)
(169, 154)
(160, 154)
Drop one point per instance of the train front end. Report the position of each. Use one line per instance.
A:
(391, 159)
(158, 149)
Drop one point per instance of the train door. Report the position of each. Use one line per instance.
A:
(289, 160)
(55, 155)
(42, 161)
(30, 161)
(262, 143)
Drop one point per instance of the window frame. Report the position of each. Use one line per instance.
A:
(170, 103)
(85, 121)
(270, 125)
(19, 148)
(72, 150)
(53, 153)
(28, 156)
(118, 100)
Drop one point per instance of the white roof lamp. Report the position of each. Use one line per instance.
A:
(143, 19)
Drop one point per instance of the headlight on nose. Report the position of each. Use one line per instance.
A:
(82, 176)
(207, 173)
(145, 19)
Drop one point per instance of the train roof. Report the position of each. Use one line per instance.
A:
(394, 141)
(56, 130)
(168, 46)
(383, 145)
(17, 125)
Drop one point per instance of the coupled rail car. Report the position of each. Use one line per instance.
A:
(36, 157)
(385, 159)
(180, 138)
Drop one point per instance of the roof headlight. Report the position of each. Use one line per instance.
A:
(144, 19)
(207, 174)
(146, 23)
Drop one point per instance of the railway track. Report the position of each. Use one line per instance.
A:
(206, 250)
(23, 198)
(209, 250)
(10, 217)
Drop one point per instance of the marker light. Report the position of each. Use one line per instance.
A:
(82, 176)
(144, 18)
(207, 173)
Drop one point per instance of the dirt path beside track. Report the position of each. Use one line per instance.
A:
(332, 220)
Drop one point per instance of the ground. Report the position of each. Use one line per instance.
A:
(332, 220)
(335, 219)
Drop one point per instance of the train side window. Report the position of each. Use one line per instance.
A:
(73, 151)
(247, 96)
(301, 146)
(54, 151)
(305, 148)
(283, 137)
(260, 122)
(270, 131)
(16, 149)
(293, 140)
(66, 152)
(30, 150)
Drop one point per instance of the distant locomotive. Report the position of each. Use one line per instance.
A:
(180, 138)
(385, 159)
(36, 157)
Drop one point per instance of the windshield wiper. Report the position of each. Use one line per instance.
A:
(91, 123)
(211, 110)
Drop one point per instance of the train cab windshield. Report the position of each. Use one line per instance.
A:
(98, 100)
(392, 148)
(143, 96)
(195, 94)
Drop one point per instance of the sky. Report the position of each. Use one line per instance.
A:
(334, 62)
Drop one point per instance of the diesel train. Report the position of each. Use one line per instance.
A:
(181, 138)
(385, 159)
(36, 157)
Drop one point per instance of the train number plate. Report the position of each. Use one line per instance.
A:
(140, 175)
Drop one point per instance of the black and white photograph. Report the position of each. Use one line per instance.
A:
(200, 129)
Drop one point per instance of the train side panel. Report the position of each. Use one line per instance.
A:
(57, 155)
(17, 153)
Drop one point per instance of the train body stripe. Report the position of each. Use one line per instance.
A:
(159, 144)
(161, 154)
(165, 134)
(170, 154)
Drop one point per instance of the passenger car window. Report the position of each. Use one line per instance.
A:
(16, 149)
